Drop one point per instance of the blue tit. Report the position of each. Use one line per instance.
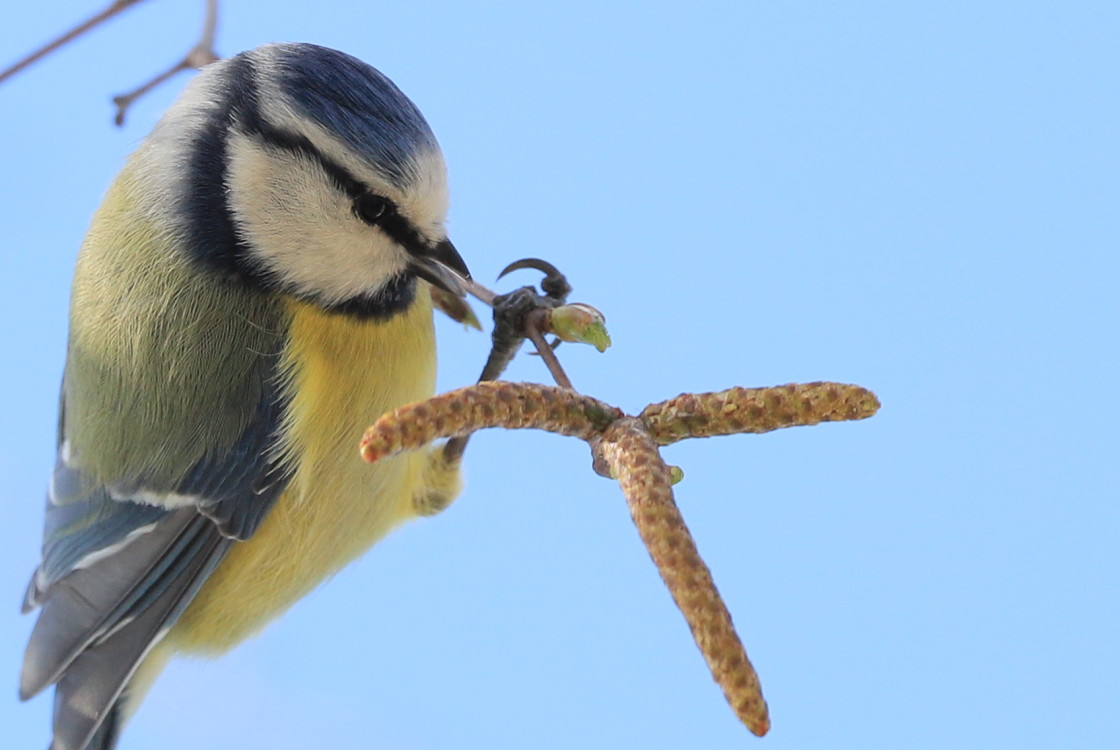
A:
(252, 293)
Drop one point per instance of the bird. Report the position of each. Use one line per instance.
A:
(253, 291)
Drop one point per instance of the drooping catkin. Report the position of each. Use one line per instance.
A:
(634, 459)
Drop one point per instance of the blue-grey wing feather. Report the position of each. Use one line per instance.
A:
(117, 572)
(82, 523)
(92, 683)
(239, 486)
(84, 605)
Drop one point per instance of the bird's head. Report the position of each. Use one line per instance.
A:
(306, 171)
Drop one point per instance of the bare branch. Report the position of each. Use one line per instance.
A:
(202, 53)
(113, 9)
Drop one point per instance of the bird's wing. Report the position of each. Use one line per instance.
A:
(122, 562)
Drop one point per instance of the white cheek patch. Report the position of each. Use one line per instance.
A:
(300, 227)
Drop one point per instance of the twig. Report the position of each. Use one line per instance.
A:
(537, 322)
(479, 292)
(511, 327)
(202, 53)
(113, 9)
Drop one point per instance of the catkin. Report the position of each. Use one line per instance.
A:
(634, 459)
(489, 404)
(739, 410)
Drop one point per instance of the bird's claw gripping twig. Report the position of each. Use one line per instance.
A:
(519, 315)
(511, 319)
(554, 284)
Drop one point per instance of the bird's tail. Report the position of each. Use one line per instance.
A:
(70, 723)
(105, 738)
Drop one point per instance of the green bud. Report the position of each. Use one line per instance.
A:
(580, 323)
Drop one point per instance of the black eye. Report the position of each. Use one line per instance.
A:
(371, 208)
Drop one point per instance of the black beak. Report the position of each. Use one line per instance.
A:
(442, 266)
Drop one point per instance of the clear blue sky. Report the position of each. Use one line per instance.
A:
(923, 198)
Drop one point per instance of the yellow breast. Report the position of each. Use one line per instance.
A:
(344, 374)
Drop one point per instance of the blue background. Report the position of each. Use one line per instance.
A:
(918, 197)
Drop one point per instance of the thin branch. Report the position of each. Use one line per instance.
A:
(505, 340)
(533, 328)
(202, 53)
(479, 292)
(124, 101)
(113, 9)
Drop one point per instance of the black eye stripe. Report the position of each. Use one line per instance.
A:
(388, 219)
(400, 229)
(299, 144)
